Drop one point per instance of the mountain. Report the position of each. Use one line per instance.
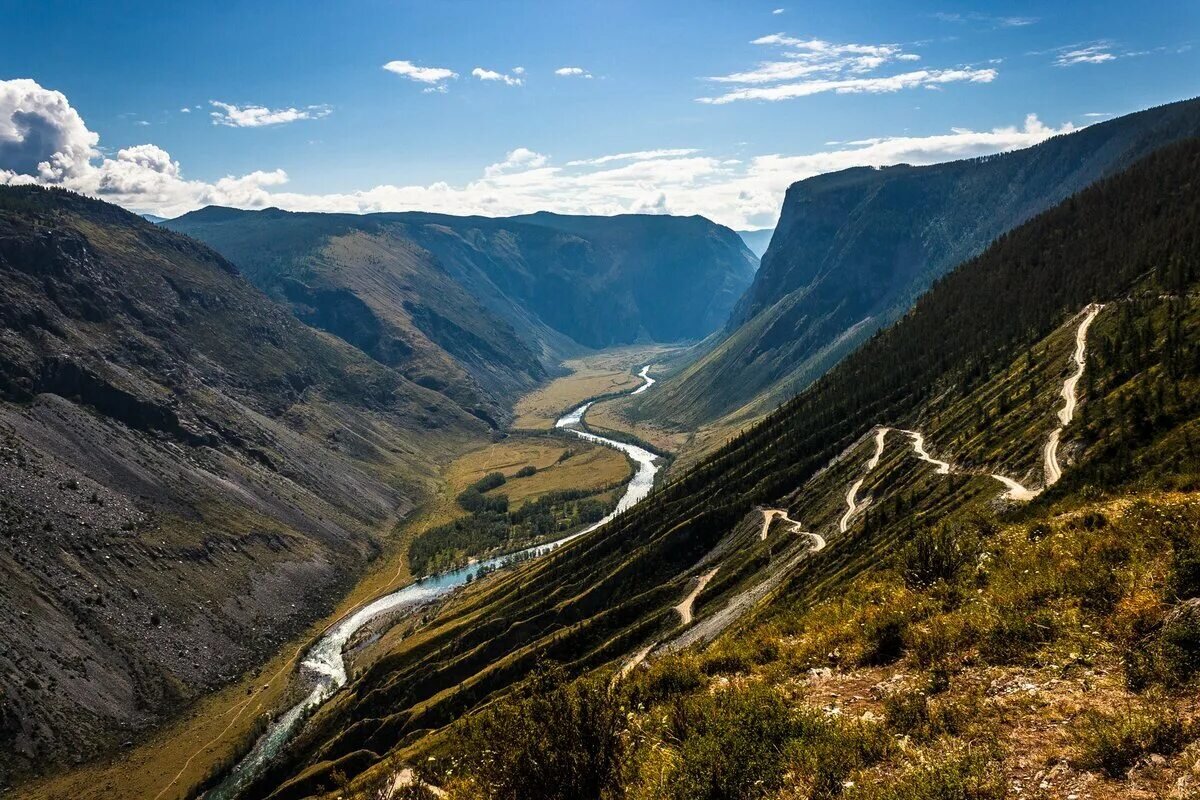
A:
(854, 249)
(153, 218)
(188, 474)
(758, 240)
(482, 308)
(860, 534)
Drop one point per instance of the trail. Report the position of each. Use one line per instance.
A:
(685, 606)
(918, 445)
(852, 505)
(1067, 412)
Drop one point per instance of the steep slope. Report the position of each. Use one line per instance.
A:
(486, 305)
(949, 371)
(854, 249)
(188, 474)
(364, 280)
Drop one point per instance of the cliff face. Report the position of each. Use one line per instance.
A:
(854, 249)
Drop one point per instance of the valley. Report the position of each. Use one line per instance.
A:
(825, 454)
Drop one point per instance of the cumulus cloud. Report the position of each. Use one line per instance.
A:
(492, 75)
(572, 72)
(806, 67)
(57, 149)
(430, 75)
(234, 116)
(778, 11)
(40, 134)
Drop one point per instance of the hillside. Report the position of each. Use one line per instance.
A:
(483, 308)
(854, 249)
(188, 474)
(973, 380)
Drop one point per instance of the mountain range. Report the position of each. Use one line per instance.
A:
(965, 398)
(483, 309)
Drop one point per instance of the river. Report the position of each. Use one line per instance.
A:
(325, 669)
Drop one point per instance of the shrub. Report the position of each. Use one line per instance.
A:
(1017, 633)
(555, 739)
(1114, 742)
(527, 471)
(938, 554)
(884, 638)
(970, 776)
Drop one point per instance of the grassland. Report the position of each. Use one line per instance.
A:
(606, 372)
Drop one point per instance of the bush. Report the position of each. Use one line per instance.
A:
(957, 777)
(1114, 742)
(526, 471)
(1017, 634)
(938, 554)
(884, 638)
(554, 739)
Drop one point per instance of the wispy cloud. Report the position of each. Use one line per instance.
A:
(429, 75)
(806, 67)
(572, 72)
(778, 11)
(234, 116)
(492, 75)
(985, 19)
(1096, 53)
(637, 155)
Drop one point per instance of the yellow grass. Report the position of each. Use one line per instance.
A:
(593, 375)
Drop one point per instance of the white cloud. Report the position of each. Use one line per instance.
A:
(492, 75)
(185, 110)
(572, 72)
(234, 116)
(43, 140)
(518, 70)
(892, 83)
(407, 69)
(997, 22)
(639, 155)
(778, 11)
(1091, 54)
(520, 158)
(813, 66)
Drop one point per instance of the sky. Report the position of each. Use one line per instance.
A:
(603, 107)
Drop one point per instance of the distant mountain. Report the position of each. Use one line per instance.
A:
(152, 218)
(188, 474)
(854, 249)
(484, 307)
(979, 366)
(757, 240)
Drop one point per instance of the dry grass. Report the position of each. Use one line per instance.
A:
(593, 375)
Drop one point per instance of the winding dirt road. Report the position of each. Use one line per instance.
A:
(1070, 385)
(685, 606)
(852, 505)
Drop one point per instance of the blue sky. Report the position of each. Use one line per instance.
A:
(696, 107)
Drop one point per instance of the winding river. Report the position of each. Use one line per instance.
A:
(325, 669)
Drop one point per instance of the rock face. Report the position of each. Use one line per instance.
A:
(188, 474)
(854, 249)
(482, 308)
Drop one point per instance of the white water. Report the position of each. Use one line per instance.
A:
(324, 664)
